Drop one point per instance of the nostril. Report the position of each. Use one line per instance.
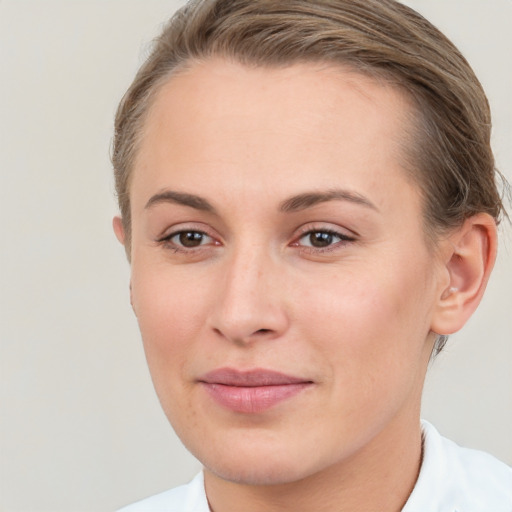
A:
(262, 331)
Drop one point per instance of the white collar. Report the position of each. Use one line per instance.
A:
(455, 479)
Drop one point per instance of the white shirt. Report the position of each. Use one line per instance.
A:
(452, 479)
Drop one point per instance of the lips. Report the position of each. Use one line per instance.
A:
(252, 391)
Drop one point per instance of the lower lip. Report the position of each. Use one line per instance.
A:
(253, 399)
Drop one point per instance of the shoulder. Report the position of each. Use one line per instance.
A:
(186, 498)
(456, 479)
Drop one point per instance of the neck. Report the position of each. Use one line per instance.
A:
(378, 478)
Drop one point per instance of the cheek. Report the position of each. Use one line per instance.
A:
(368, 323)
(170, 316)
(371, 348)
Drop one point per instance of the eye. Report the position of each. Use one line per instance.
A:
(321, 239)
(189, 239)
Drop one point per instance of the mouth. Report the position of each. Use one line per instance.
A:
(253, 391)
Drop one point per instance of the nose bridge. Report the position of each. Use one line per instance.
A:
(249, 303)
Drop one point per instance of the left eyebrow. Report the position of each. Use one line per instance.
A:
(309, 199)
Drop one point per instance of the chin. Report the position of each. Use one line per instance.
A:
(259, 463)
(251, 472)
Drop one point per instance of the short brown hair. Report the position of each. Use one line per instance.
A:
(451, 159)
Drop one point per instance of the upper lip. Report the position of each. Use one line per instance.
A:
(250, 378)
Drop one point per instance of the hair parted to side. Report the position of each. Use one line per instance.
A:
(450, 157)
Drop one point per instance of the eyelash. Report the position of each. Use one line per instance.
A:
(343, 240)
(167, 241)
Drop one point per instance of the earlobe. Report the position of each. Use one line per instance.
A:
(468, 262)
(117, 224)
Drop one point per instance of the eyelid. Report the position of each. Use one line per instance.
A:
(326, 227)
(179, 227)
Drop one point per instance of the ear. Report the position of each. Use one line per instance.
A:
(469, 254)
(117, 224)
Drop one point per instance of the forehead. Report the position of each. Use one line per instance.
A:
(312, 125)
(313, 94)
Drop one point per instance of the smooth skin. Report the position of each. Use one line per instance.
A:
(274, 226)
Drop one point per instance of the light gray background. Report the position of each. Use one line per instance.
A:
(80, 426)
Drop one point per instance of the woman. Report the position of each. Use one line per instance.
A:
(308, 202)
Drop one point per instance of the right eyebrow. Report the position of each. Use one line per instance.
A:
(191, 200)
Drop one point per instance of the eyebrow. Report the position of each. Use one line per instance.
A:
(191, 200)
(309, 199)
(293, 204)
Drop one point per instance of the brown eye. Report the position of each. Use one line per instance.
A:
(321, 239)
(190, 239)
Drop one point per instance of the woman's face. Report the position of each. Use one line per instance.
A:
(280, 274)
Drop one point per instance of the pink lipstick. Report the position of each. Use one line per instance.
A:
(251, 391)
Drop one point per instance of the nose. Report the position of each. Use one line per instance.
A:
(250, 301)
